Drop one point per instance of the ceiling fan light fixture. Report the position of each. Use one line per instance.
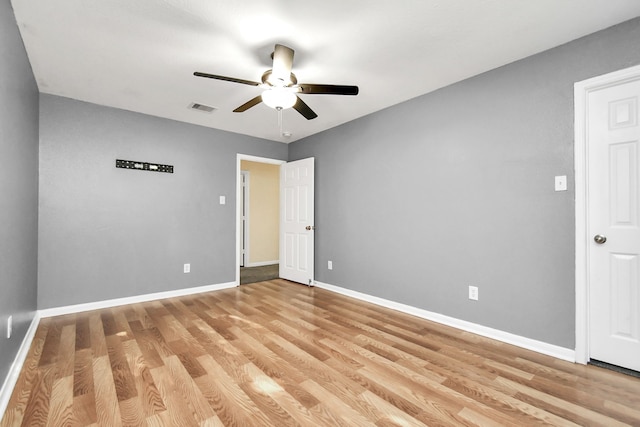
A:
(279, 98)
(280, 86)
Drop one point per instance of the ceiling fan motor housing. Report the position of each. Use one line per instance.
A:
(266, 79)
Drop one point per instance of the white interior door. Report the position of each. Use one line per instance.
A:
(613, 136)
(297, 221)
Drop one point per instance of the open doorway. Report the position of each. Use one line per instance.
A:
(258, 218)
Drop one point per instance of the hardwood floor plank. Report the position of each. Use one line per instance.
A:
(464, 370)
(503, 370)
(403, 396)
(504, 403)
(584, 398)
(37, 410)
(188, 343)
(212, 422)
(443, 402)
(140, 315)
(387, 414)
(282, 354)
(27, 378)
(108, 323)
(122, 377)
(191, 364)
(477, 419)
(132, 413)
(403, 362)
(166, 330)
(568, 410)
(629, 414)
(122, 324)
(107, 408)
(266, 386)
(52, 342)
(178, 413)
(82, 372)
(390, 373)
(232, 405)
(149, 347)
(83, 332)
(225, 354)
(146, 389)
(84, 409)
(268, 362)
(312, 367)
(342, 411)
(268, 405)
(61, 403)
(98, 342)
(66, 353)
(188, 389)
(156, 340)
(298, 338)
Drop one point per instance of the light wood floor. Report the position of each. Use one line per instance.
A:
(281, 354)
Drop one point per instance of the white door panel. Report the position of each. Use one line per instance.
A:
(614, 188)
(296, 224)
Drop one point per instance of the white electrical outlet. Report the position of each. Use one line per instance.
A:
(473, 293)
(187, 268)
(330, 265)
(9, 326)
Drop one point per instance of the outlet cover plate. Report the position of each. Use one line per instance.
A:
(473, 293)
(561, 183)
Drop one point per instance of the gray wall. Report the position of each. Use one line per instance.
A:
(456, 188)
(18, 188)
(111, 233)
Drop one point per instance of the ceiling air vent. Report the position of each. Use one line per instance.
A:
(202, 107)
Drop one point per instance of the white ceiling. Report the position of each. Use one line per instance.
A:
(140, 55)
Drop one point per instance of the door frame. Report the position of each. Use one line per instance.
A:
(244, 228)
(239, 159)
(581, 165)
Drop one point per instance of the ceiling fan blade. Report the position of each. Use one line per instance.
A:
(304, 109)
(328, 89)
(253, 102)
(282, 64)
(228, 79)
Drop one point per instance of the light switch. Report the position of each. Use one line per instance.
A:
(223, 200)
(561, 183)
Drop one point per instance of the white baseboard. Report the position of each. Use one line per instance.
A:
(16, 366)
(77, 308)
(261, 263)
(506, 337)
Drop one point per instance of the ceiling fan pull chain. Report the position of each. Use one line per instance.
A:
(280, 119)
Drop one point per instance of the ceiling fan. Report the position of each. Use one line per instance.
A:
(281, 88)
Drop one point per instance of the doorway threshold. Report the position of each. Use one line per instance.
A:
(615, 368)
(259, 274)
